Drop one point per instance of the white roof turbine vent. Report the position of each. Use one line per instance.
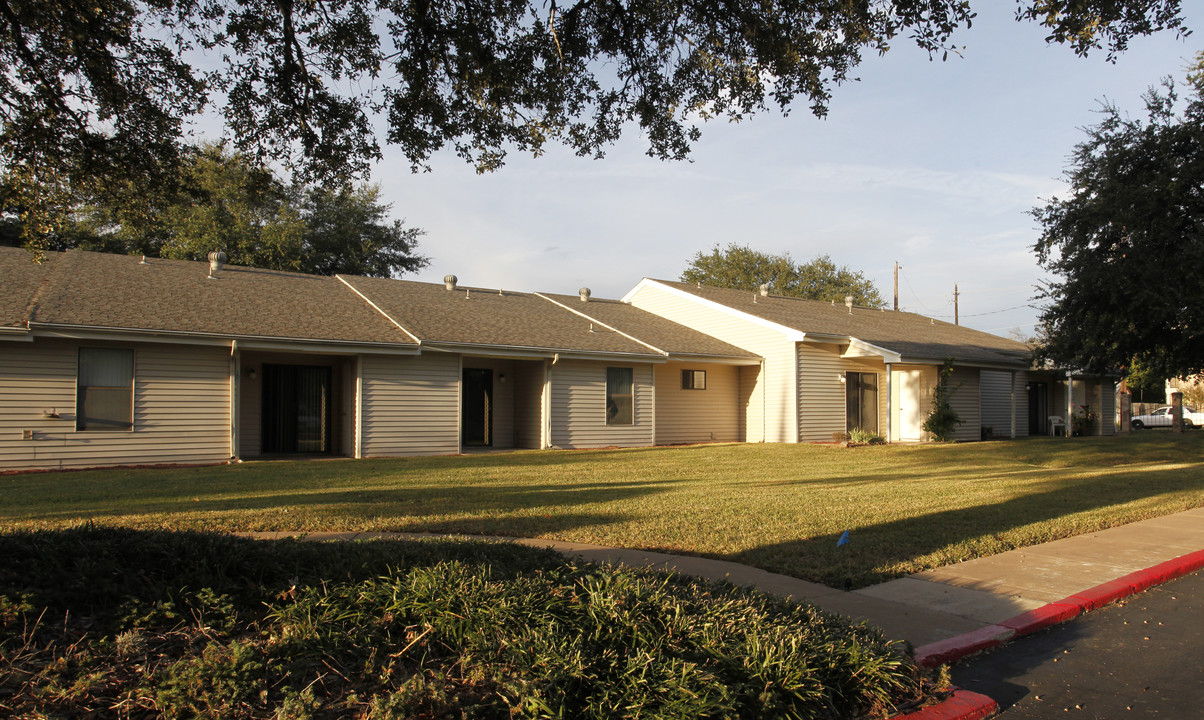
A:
(848, 302)
(217, 259)
(584, 294)
(449, 281)
(764, 289)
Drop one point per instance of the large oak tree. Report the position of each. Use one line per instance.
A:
(1127, 243)
(102, 91)
(743, 268)
(223, 201)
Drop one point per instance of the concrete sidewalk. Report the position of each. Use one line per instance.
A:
(936, 605)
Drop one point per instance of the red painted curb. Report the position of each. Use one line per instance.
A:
(985, 638)
(945, 651)
(962, 705)
(1041, 618)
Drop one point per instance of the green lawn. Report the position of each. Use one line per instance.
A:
(778, 507)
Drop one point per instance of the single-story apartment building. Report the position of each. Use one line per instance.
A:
(118, 360)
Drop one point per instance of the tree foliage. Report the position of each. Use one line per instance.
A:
(101, 92)
(943, 419)
(1127, 243)
(741, 267)
(224, 201)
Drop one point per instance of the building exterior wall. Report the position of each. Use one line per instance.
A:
(770, 409)
(411, 405)
(821, 395)
(503, 404)
(529, 376)
(181, 407)
(578, 406)
(911, 395)
(250, 398)
(696, 416)
(750, 404)
(996, 391)
(965, 402)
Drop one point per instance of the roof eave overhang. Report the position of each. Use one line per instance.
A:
(18, 334)
(519, 351)
(960, 362)
(245, 342)
(716, 359)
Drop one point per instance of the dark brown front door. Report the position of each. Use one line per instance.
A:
(476, 415)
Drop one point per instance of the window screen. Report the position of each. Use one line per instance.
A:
(693, 379)
(619, 385)
(105, 389)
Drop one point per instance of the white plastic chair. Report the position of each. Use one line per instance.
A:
(1055, 422)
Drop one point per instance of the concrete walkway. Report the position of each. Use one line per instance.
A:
(935, 605)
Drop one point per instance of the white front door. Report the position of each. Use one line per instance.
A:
(910, 400)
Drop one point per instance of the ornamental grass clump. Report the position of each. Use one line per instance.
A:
(405, 630)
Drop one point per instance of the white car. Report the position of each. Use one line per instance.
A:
(1162, 418)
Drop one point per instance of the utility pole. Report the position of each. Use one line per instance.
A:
(897, 266)
(955, 293)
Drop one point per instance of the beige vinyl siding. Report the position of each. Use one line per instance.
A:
(965, 402)
(528, 403)
(771, 408)
(995, 394)
(181, 407)
(411, 405)
(750, 405)
(694, 416)
(578, 406)
(823, 397)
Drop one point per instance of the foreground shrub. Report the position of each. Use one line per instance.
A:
(134, 624)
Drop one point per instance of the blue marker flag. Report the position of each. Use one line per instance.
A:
(844, 539)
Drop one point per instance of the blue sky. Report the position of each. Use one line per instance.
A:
(932, 164)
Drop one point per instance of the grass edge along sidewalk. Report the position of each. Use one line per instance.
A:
(180, 624)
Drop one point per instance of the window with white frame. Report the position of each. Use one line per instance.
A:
(620, 386)
(693, 379)
(105, 389)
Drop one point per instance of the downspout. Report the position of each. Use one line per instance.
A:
(890, 404)
(359, 407)
(764, 403)
(1069, 403)
(652, 372)
(1013, 430)
(546, 404)
(460, 405)
(235, 404)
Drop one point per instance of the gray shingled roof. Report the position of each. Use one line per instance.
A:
(20, 278)
(653, 329)
(912, 336)
(480, 316)
(98, 290)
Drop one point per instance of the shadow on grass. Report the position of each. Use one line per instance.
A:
(515, 509)
(882, 551)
